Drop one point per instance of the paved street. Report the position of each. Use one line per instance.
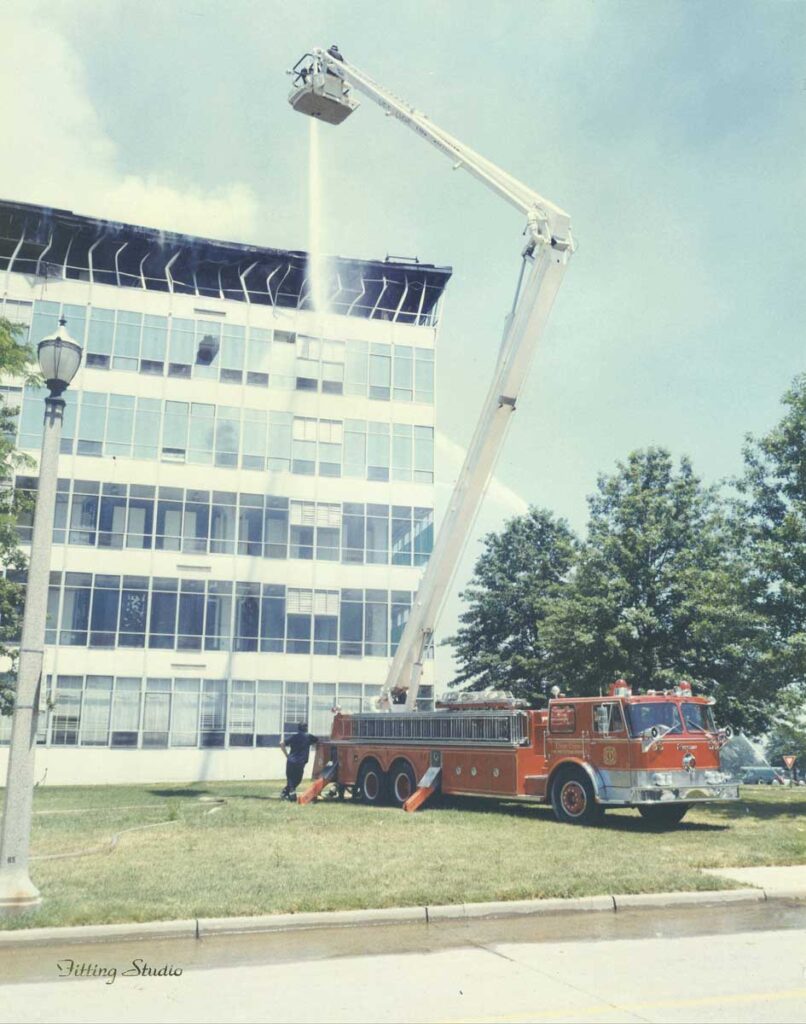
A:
(741, 963)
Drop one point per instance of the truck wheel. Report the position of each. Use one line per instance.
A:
(573, 799)
(664, 817)
(371, 783)
(402, 782)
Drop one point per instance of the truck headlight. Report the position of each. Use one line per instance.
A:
(661, 779)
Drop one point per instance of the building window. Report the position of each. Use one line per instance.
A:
(296, 706)
(125, 724)
(67, 711)
(129, 712)
(96, 711)
(242, 713)
(123, 426)
(324, 700)
(213, 713)
(185, 713)
(218, 617)
(157, 713)
(107, 611)
(268, 713)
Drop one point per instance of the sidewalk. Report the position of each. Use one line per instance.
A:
(776, 882)
(760, 884)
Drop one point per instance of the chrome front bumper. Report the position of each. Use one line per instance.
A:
(631, 789)
(684, 794)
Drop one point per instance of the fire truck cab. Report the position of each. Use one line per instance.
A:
(657, 752)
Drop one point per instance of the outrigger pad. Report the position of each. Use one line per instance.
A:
(428, 784)
(316, 787)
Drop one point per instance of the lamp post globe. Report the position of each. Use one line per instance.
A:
(59, 359)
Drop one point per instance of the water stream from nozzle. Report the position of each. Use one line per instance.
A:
(317, 264)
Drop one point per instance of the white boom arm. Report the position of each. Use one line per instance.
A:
(545, 258)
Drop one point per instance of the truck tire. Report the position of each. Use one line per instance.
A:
(402, 782)
(371, 783)
(664, 817)
(573, 798)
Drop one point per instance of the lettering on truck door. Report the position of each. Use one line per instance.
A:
(610, 745)
(564, 731)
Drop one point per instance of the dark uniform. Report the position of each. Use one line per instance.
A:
(299, 747)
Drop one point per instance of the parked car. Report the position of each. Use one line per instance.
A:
(756, 776)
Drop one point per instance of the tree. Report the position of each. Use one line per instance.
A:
(520, 572)
(774, 492)
(15, 361)
(661, 592)
(788, 733)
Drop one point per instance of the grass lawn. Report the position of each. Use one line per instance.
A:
(256, 855)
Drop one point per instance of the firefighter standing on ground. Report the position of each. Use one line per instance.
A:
(296, 748)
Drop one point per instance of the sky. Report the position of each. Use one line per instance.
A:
(674, 133)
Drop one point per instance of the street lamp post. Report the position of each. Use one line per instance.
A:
(59, 358)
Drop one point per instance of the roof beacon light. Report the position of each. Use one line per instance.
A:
(621, 688)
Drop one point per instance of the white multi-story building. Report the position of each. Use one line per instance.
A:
(245, 497)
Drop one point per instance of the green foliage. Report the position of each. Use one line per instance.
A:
(788, 734)
(774, 492)
(661, 592)
(519, 574)
(15, 361)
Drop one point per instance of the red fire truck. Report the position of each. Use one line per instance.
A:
(658, 752)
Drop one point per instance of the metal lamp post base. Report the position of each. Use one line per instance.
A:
(17, 893)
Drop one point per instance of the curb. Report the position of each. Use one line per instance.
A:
(197, 928)
(99, 933)
(706, 897)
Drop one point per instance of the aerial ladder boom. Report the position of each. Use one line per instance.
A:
(323, 89)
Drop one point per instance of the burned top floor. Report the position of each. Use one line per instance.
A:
(46, 242)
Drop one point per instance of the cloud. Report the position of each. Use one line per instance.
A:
(57, 152)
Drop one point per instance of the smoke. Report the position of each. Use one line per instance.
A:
(58, 153)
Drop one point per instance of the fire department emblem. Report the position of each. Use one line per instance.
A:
(609, 756)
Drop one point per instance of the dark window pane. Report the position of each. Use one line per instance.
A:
(325, 634)
(247, 613)
(133, 607)
(217, 630)
(273, 623)
(222, 529)
(163, 620)
(191, 619)
(351, 627)
(104, 617)
(250, 531)
(299, 634)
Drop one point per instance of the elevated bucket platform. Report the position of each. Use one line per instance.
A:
(323, 96)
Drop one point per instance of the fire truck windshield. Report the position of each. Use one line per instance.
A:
(645, 715)
(698, 718)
